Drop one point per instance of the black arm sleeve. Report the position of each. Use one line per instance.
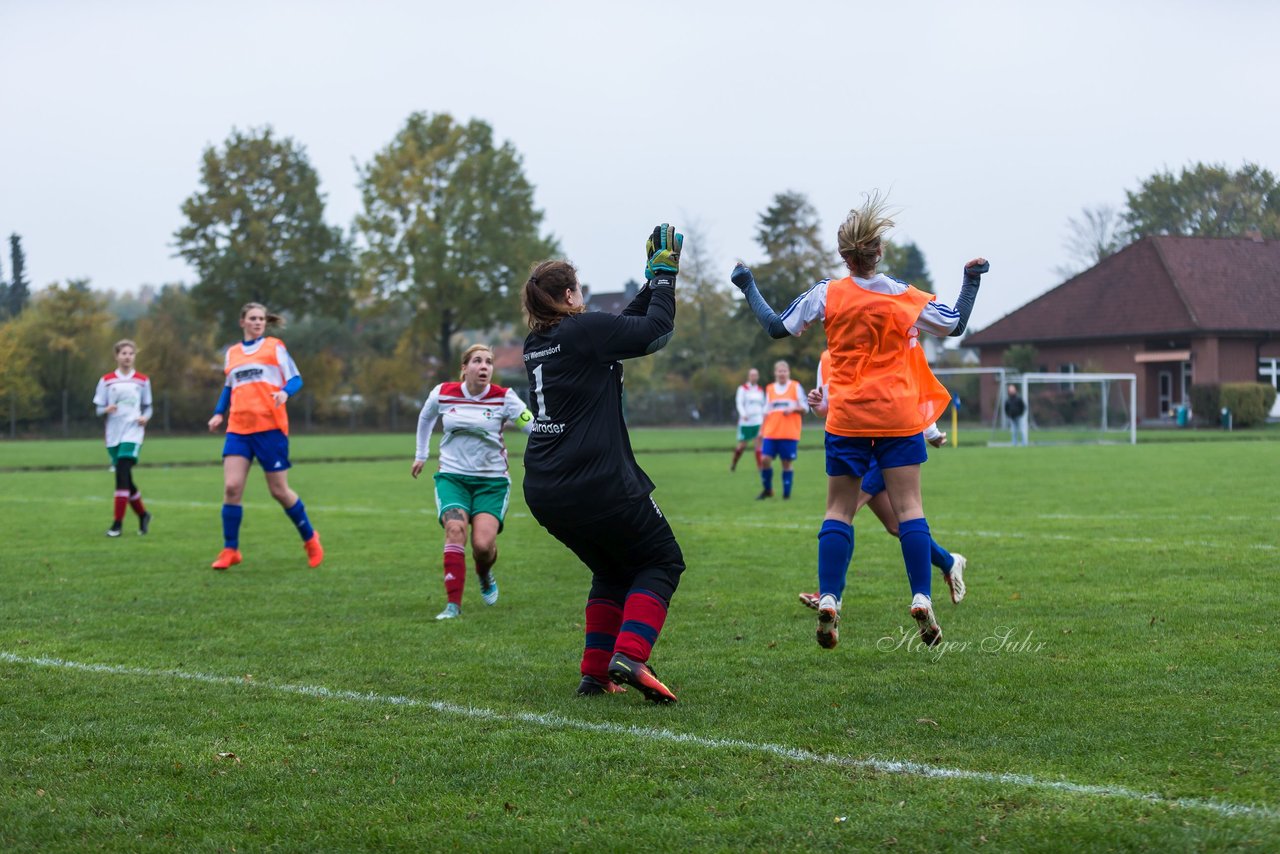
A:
(964, 305)
(769, 319)
(639, 305)
(615, 337)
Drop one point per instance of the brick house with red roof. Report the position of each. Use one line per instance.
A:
(1173, 310)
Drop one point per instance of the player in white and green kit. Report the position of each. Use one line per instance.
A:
(749, 401)
(472, 486)
(124, 397)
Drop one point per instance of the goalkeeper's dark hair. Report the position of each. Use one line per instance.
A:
(860, 238)
(272, 319)
(543, 296)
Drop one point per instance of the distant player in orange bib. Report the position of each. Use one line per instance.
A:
(784, 406)
(881, 397)
(261, 377)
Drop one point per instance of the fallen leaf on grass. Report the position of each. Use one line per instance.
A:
(932, 723)
(221, 756)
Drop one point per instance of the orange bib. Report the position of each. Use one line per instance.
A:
(879, 382)
(779, 424)
(254, 378)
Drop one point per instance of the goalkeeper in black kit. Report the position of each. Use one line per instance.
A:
(582, 482)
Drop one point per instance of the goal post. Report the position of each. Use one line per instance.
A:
(1068, 408)
(963, 384)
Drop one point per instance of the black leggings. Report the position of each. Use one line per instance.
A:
(124, 475)
(631, 548)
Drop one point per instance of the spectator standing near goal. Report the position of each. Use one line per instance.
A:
(871, 492)
(124, 397)
(749, 402)
(261, 377)
(1014, 409)
(881, 396)
(582, 482)
(785, 403)
(472, 485)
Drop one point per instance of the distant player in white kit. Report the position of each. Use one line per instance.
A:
(124, 396)
(472, 486)
(750, 402)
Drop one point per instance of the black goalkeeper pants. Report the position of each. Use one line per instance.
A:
(632, 547)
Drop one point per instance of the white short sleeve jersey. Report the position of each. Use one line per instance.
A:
(749, 402)
(472, 442)
(811, 306)
(131, 396)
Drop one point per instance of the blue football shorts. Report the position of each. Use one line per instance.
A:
(852, 456)
(270, 448)
(783, 449)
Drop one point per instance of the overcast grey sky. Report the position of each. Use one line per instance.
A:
(989, 123)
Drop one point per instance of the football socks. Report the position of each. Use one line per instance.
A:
(298, 515)
(787, 478)
(642, 619)
(914, 537)
(835, 550)
(455, 571)
(231, 516)
(603, 621)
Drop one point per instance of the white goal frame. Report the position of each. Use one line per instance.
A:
(1026, 380)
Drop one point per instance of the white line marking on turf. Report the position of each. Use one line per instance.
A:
(553, 721)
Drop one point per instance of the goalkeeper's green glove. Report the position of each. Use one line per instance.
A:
(663, 252)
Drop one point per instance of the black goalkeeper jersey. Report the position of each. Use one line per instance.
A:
(579, 461)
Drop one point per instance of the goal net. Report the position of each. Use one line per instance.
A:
(1062, 408)
(1076, 408)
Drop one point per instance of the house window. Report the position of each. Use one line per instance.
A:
(1166, 392)
(1186, 383)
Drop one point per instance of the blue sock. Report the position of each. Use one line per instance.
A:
(766, 477)
(915, 540)
(231, 516)
(298, 514)
(941, 558)
(787, 477)
(835, 551)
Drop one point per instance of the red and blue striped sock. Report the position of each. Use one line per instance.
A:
(642, 619)
(455, 572)
(604, 619)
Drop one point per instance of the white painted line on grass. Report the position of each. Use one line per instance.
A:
(553, 721)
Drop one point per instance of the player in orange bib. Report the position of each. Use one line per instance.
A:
(881, 397)
(785, 402)
(261, 377)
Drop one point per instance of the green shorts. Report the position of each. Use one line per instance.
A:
(748, 432)
(472, 495)
(127, 450)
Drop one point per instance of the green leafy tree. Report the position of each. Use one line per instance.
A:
(72, 331)
(450, 231)
(255, 232)
(1205, 201)
(906, 262)
(19, 291)
(178, 349)
(788, 232)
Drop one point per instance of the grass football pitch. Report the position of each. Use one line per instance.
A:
(1112, 680)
